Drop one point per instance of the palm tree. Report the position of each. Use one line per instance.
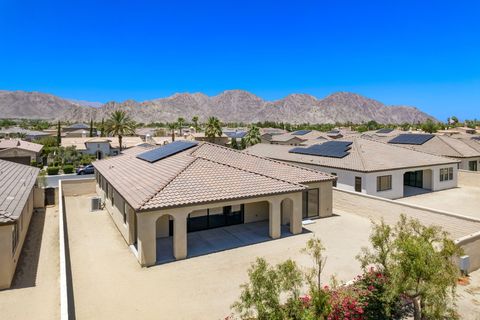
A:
(213, 128)
(59, 134)
(119, 125)
(234, 144)
(253, 135)
(172, 126)
(180, 122)
(195, 123)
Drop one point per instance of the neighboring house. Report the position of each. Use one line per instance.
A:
(101, 147)
(19, 151)
(370, 167)
(186, 186)
(16, 209)
(146, 133)
(200, 136)
(79, 133)
(302, 137)
(76, 127)
(28, 135)
(440, 145)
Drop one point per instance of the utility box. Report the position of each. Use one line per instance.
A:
(464, 264)
(95, 204)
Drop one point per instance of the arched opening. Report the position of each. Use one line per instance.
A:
(99, 155)
(164, 238)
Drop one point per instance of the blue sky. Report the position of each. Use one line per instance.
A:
(421, 53)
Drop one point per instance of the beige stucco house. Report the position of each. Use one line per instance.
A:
(18, 197)
(370, 167)
(19, 151)
(100, 147)
(156, 193)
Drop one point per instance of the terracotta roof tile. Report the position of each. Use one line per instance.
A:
(204, 173)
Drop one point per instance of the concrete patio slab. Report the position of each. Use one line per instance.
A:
(109, 283)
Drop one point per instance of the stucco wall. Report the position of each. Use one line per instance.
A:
(469, 178)
(256, 211)
(92, 148)
(471, 247)
(8, 261)
(346, 179)
(15, 152)
(78, 187)
(464, 163)
(38, 197)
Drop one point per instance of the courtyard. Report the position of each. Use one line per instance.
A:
(108, 282)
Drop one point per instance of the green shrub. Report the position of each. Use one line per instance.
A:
(33, 163)
(51, 171)
(68, 168)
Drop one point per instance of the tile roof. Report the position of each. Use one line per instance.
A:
(439, 145)
(20, 144)
(79, 142)
(365, 156)
(16, 183)
(205, 173)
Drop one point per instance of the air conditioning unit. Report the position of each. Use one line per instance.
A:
(464, 264)
(95, 204)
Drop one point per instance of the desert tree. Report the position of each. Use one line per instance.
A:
(253, 135)
(419, 262)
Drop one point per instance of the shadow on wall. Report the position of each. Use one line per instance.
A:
(27, 267)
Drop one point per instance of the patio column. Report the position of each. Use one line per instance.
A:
(274, 219)
(146, 242)
(325, 204)
(180, 236)
(296, 223)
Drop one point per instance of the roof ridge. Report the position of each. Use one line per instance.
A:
(405, 147)
(245, 170)
(359, 149)
(169, 181)
(451, 146)
(264, 158)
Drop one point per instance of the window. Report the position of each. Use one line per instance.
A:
(124, 212)
(310, 203)
(334, 183)
(14, 238)
(446, 174)
(384, 183)
(472, 165)
(358, 184)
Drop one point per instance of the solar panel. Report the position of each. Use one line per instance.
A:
(166, 150)
(476, 138)
(385, 130)
(301, 132)
(333, 149)
(411, 138)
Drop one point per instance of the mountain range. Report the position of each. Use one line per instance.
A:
(228, 106)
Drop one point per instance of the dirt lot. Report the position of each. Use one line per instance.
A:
(469, 298)
(35, 290)
(110, 284)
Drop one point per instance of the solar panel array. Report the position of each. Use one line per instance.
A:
(301, 132)
(476, 138)
(333, 149)
(411, 138)
(235, 134)
(385, 130)
(166, 150)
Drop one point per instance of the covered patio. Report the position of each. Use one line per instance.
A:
(219, 239)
